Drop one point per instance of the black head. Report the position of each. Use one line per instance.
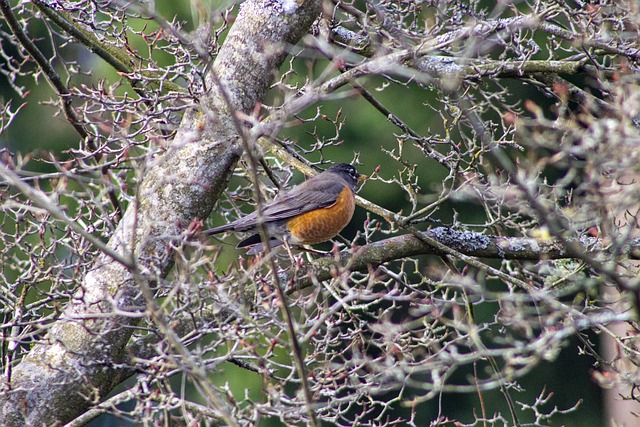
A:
(348, 173)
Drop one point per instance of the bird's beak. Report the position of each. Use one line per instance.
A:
(362, 178)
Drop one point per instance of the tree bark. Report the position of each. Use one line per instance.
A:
(74, 365)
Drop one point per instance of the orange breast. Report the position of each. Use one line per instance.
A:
(322, 224)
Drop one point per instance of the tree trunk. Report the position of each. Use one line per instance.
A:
(75, 363)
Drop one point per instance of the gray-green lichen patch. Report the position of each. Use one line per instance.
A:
(465, 240)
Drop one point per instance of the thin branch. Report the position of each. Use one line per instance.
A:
(606, 45)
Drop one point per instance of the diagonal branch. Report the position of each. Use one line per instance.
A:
(77, 361)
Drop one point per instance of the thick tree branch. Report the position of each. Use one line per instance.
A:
(465, 242)
(462, 68)
(76, 362)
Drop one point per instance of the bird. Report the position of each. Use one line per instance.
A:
(312, 212)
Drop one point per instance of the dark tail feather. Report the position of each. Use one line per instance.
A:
(256, 245)
(254, 239)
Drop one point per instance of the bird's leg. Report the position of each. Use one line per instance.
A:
(313, 251)
(288, 248)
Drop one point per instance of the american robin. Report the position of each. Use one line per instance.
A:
(312, 212)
